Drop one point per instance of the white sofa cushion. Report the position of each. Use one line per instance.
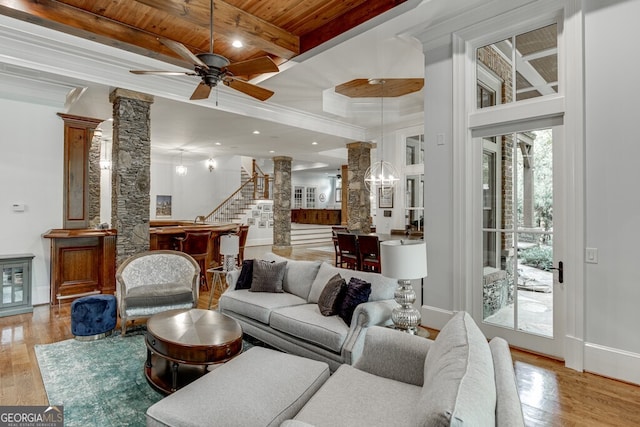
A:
(298, 276)
(259, 388)
(459, 383)
(381, 287)
(307, 323)
(256, 305)
(356, 398)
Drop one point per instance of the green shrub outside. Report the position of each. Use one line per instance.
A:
(540, 257)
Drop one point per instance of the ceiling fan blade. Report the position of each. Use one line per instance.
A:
(182, 50)
(250, 89)
(164, 73)
(202, 92)
(260, 65)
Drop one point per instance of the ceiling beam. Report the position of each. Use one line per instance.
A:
(71, 20)
(348, 20)
(232, 22)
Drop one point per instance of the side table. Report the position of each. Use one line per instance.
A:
(219, 274)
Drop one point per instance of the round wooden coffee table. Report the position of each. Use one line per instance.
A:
(181, 344)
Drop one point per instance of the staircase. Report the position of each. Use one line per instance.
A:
(238, 206)
(308, 234)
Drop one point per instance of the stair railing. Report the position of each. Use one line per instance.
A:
(233, 204)
(238, 201)
(261, 182)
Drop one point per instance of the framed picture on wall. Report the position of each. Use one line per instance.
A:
(163, 206)
(385, 198)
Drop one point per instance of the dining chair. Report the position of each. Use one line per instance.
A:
(369, 251)
(336, 248)
(243, 231)
(198, 244)
(348, 246)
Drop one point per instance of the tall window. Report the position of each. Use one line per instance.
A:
(311, 197)
(297, 197)
(414, 182)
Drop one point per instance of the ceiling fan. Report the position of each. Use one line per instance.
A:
(213, 69)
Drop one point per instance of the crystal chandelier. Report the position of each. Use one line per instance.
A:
(380, 175)
(181, 169)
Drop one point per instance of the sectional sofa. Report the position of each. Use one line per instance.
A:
(458, 379)
(291, 320)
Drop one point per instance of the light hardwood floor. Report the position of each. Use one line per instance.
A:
(551, 394)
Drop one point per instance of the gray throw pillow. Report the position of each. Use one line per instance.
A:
(332, 295)
(267, 276)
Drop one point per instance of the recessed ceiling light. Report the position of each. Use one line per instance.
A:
(314, 143)
(237, 43)
(218, 143)
(256, 132)
(271, 151)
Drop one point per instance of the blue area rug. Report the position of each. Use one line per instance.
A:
(101, 383)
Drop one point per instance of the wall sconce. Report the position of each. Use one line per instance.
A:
(211, 164)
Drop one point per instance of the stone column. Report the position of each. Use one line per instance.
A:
(94, 179)
(282, 205)
(358, 202)
(131, 167)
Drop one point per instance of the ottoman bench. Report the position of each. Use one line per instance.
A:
(93, 317)
(260, 387)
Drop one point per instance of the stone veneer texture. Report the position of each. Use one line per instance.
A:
(131, 163)
(282, 202)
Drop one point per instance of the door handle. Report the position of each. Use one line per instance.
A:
(560, 271)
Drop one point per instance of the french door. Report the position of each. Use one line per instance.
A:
(519, 288)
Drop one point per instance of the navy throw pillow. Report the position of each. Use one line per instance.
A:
(358, 291)
(246, 275)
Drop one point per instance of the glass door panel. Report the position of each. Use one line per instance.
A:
(518, 232)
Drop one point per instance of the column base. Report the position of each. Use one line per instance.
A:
(284, 251)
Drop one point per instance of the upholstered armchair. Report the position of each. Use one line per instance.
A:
(151, 282)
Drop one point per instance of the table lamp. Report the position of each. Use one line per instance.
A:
(404, 260)
(229, 248)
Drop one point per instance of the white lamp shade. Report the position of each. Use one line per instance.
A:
(229, 244)
(403, 259)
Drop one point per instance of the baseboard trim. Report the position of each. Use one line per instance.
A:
(612, 363)
(434, 317)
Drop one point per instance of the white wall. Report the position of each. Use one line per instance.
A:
(612, 91)
(198, 192)
(438, 180)
(322, 183)
(31, 168)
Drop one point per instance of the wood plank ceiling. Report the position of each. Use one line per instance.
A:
(281, 29)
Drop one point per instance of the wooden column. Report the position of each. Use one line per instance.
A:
(78, 134)
(345, 195)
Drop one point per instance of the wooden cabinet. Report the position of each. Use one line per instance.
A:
(82, 262)
(16, 284)
(316, 216)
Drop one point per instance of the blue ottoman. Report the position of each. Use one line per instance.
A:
(93, 317)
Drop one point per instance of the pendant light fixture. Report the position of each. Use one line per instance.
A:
(181, 169)
(381, 176)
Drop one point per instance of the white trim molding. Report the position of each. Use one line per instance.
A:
(612, 362)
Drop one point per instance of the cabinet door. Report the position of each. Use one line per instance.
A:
(13, 284)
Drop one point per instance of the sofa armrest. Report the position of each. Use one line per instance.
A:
(365, 315)
(394, 354)
(232, 278)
